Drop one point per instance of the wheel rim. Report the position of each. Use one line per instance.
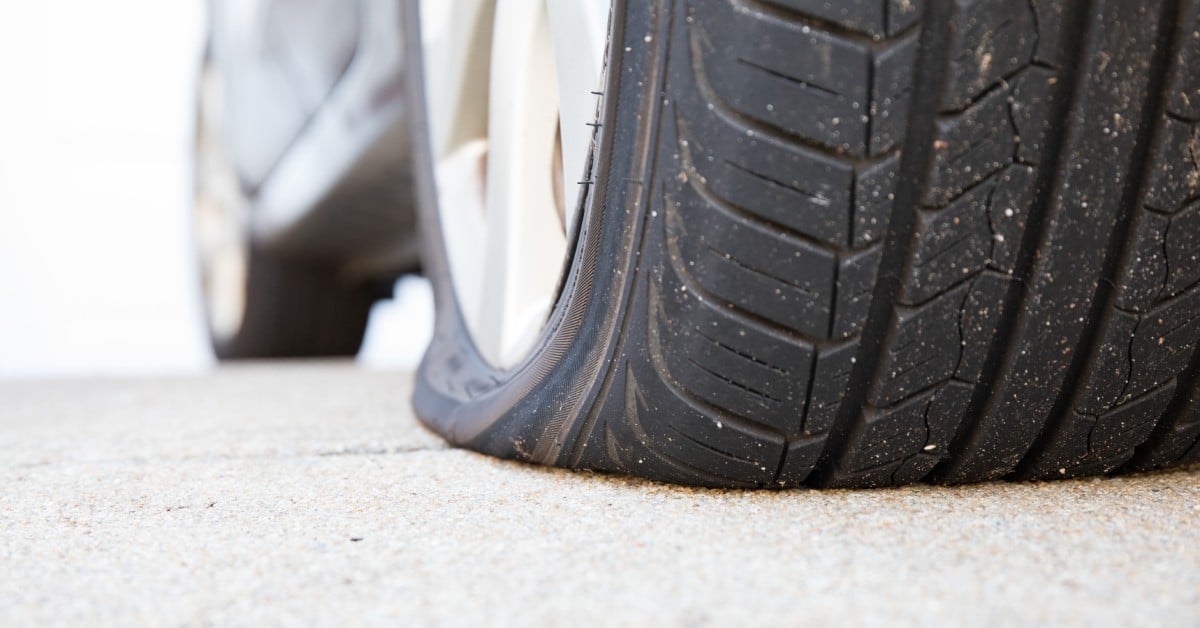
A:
(221, 216)
(511, 91)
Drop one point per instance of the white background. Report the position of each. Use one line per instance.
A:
(97, 271)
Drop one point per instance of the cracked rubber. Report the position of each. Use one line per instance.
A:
(868, 243)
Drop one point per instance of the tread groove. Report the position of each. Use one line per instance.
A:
(1075, 44)
(916, 155)
(1119, 246)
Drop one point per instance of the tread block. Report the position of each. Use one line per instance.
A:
(978, 230)
(1110, 372)
(891, 94)
(676, 429)
(1184, 86)
(989, 40)
(969, 147)
(1008, 213)
(1007, 125)
(888, 436)
(803, 79)
(1175, 177)
(866, 16)
(1163, 343)
(920, 427)
(875, 18)
(855, 285)
(1176, 438)
(875, 477)
(798, 461)
(1184, 445)
(943, 416)
(951, 245)
(797, 78)
(1065, 448)
(924, 348)
(1088, 444)
(740, 368)
(874, 191)
(914, 469)
(1029, 106)
(1147, 270)
(795, 188)
(787, 281)
(1048, 16)
(980, 316)
(1126, 427)
(1182, 251)
(902, 14)
(829, 386)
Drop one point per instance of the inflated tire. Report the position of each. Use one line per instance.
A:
(296, 310)
(305, 286)
(865, 243)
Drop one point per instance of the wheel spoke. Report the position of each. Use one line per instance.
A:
(221, 216)
(456, 41)
(508, 157)
(460, 180)
(526, 245)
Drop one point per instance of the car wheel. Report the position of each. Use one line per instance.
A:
(823, 244)
(260, 304)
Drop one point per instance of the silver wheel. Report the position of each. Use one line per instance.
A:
(511, 94)
(221, 216)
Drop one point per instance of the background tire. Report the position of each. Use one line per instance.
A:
(866, 244)
(295, 310)
(308, 291)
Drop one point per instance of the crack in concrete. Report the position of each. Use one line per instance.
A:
(226, 457)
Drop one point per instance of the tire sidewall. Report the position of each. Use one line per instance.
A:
(528, 412)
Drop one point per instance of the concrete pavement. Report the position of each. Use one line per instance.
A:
(308, 494)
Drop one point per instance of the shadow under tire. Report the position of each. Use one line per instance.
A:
(923, 241)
